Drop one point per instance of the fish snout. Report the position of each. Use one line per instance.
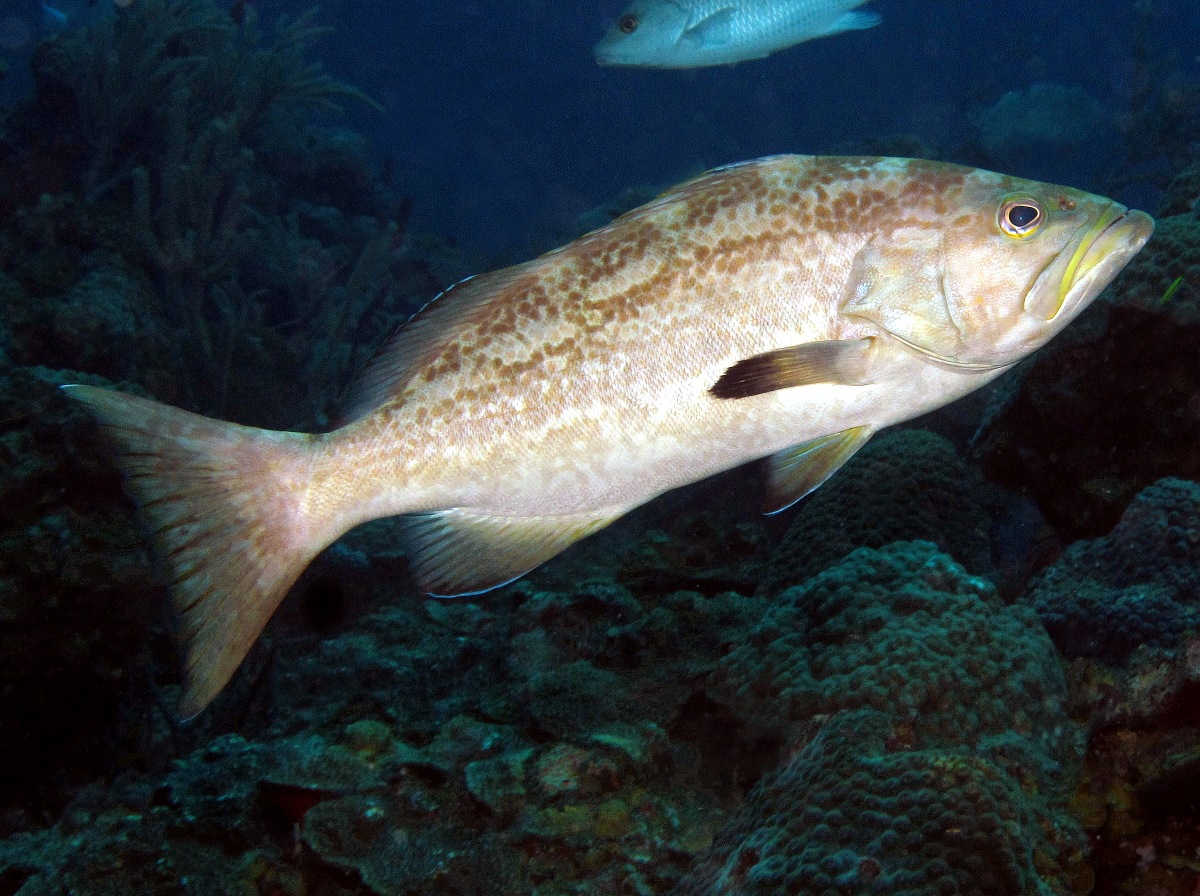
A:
(1092, 259)
(603, 50)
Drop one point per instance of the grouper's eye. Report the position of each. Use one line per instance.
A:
(628, 23)
(1021, 217)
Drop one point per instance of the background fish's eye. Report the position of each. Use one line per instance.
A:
(628, 23)
(1020, 217)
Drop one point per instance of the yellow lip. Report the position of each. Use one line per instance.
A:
(1115, 235)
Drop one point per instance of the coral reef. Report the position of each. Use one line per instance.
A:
(592, 740)
(945, 754)
(942, 755)
(164, 142)
(697, 552)
(404, 757)
(902, 486)
(1182, 194)
(1137, 585)
(1136, 797)
(849, 812)
(1172, 254)
(106, 307)
(906, 631)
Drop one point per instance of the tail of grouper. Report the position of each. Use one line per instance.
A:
(229, 509)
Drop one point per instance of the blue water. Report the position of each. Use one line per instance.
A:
(504, 130)
(503, 126)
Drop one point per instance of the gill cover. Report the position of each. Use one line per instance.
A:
(896, 283)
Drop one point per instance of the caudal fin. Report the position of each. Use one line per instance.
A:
(231, 512)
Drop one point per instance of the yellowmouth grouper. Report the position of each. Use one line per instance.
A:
(785, 308)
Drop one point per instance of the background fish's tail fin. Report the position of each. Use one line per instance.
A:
(233, 525)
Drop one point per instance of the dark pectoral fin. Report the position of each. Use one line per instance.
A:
(459, 552)
(840, 362)
(797, 471)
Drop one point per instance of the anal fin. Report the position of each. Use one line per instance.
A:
(460, 552)
(797, 471)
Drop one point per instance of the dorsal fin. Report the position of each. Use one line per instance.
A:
(402, 353)
(708, 179)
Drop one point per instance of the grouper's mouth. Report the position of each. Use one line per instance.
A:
(1089, 262)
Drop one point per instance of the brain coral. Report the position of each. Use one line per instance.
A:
(1138, 584)
(847, 814)
(905, 631)
(906, 485)
(943, 757)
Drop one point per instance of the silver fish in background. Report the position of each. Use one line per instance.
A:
(696, 33)
(788, 307)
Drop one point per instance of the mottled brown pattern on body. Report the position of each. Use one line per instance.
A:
(604, 302)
